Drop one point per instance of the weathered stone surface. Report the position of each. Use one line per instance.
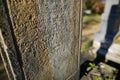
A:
(47, 37)
(7, 46)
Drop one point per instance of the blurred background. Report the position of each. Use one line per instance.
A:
(92, 11)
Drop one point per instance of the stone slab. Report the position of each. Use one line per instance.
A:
(46, 38)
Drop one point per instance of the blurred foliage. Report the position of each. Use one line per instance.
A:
(91, 19)
(96, 6)
(87, 46)
(89, 3)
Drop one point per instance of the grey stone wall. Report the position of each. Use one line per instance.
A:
(44, 39)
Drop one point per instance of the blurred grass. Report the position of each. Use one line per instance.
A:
(87, 46)
(91, 19)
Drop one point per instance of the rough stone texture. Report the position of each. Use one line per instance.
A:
(7, 47)
(46, 38)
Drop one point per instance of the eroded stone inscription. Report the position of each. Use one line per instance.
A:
(47, 36)
(7, 47)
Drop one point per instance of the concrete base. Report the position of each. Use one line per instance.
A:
(113, 53)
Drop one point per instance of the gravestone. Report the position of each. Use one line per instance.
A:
(103, 40)
(40, 39)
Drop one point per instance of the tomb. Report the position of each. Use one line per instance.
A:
(40, 39)
(104, 40)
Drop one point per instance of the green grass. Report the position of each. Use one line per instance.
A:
(87, 46)
(91, 19)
